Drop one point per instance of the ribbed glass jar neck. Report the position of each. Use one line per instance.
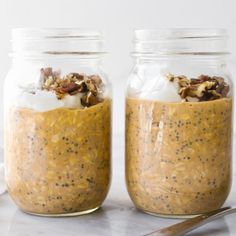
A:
(60, 43)
(180, 42)
(214, 61)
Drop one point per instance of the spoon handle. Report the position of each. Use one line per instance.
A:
(193, 223)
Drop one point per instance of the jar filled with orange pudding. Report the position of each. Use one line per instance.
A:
(57, 122)
(179, 122)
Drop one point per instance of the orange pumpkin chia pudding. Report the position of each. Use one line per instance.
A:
(178, 154)
(58, 160)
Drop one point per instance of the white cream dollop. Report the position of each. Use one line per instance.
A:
(40, 100)
(155, 88)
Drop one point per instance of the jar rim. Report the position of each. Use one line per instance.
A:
(180, 41)
(32, 42)
(179, 33)
(39, 33)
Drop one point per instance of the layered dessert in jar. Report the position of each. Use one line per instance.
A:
(179, 146)
(57, 145)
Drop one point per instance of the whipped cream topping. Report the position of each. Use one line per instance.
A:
(40, 100)
(172, 88)
(53, 91)
(154, 88)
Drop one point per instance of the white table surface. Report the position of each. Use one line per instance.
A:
(117, 216)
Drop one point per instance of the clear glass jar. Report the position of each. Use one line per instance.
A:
(179, 122)
(57, 122)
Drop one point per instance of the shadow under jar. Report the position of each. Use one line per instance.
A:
(179, 122)
(57, 122)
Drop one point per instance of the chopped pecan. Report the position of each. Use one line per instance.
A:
(70, 88)
(82, 87)
(170, 77)
(183, 81)
(203, 88)
(203, 78)
(46, 72)
(92, 99)
(183, 92)
(96, 80)
(90, 86)
(89, 100)
(218, 79)
(77, 76)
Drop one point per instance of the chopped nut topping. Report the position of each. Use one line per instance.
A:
(73, 83)
(203, 88)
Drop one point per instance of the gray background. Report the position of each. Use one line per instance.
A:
(117, 18)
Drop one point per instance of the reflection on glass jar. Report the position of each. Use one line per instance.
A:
(57, 122)
(179, 122)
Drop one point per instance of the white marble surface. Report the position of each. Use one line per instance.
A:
(117, 217)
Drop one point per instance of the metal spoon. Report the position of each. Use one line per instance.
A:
(193, 223)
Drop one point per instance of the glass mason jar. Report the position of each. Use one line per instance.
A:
(57, 122)
(179, 122)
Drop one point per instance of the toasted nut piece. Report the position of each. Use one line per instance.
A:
(183, 92)
(47, 71)
(49, 81)
(77, 76)
(204, 88)
(170, 77)
(90, 86)
(96, 80)
(69, 88)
